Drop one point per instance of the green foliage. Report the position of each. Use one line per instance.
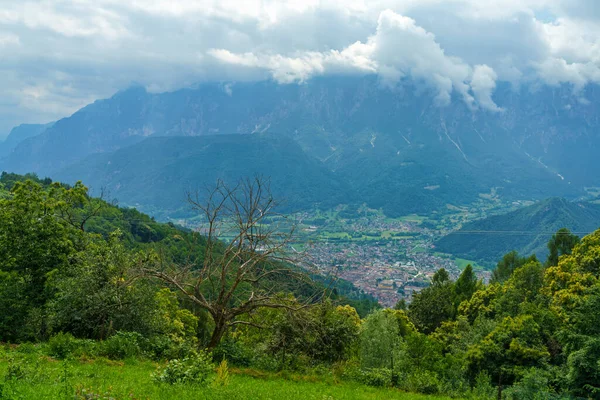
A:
(324, 332)
(531, 333)
(194, 369)
(465, 286)
(98, 296)
(473, 243)
(377, 377)
(222, 378)
(233, 351)
(584, 369)
(534, 385)
(434, 304)
(509, 263)
(123, 345)
(561, 243)
(35, 245)
(179, 324)
(62, 345)
(483, 388)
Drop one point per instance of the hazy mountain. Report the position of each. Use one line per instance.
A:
(393, 146)
(156, 174)
(526, 230)
(19, 134)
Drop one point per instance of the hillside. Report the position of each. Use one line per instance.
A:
(526, 230)
(394, 147)
(20, 133)
(156, 174)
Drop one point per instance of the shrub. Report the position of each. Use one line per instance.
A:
(483, 389)
(377, 377)
(27, 348)
(62, 345)
(124, 345)
(420, 381)
(194, 369)
(162, 347)
(222, 378)
(16, 370)
(234, 352)
(533, 386)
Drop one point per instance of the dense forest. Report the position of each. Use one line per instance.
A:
(82, 279)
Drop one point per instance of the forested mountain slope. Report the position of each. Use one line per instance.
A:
(393, 146)
(526, 230)
(156, 174)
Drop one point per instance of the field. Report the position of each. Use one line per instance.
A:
(35, 376)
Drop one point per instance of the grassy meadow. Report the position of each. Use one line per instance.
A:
(34, 375)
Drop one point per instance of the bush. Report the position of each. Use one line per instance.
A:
(483, 388)
(222, 378)
(27, 348)
(194, 369)
(422, 381)
(62, 345)
(533, 386)
(233, 352)
(162, 347)
(378, 377)
(16, 370)
(124, 345)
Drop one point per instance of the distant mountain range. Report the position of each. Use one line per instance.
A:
(526, 230)
(392, 148)
(18, 134)
(156, 174)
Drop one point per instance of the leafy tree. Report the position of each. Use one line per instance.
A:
(561, 243)
(34, 244)
(507, 265)
(514, 343)
(323, 332)
(380, 340)
(440, 278)
(434, 304)
(521, 288)
(401, 305)
(101, 294)
(584, 369)
(465, 286)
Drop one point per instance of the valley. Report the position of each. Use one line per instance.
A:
(387, 258)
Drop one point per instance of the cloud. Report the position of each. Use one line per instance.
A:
(69, 52)
(483, 84)
(402, 48)
(398, 49)
(9, 39)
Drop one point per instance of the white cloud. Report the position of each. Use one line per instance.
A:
(483, 84)
(398, 49)
(96, 47)
(9, 39)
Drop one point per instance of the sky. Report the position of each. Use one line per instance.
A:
(57, 56)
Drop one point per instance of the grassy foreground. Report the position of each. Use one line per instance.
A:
(35, 376)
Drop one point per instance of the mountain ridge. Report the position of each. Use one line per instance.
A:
(395, 148)
(526, 230)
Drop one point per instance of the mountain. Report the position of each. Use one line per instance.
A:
(526, 230)
(394, 147)
(19, 134)
(156, 174)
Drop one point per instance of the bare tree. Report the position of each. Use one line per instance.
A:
(247, 255)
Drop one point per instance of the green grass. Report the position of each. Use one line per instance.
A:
(462, 263)
(44, 378)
